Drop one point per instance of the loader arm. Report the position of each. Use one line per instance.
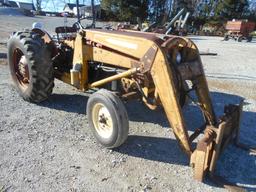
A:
(163, 73)
(155, 67)
(147, 54)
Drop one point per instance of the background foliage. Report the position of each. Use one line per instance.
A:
(162, 10)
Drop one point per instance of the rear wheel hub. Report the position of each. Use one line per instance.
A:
(21, 68)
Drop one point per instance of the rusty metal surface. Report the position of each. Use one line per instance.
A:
(201, 157)
(21, 68)
(215, 139)
(128, 84)
(197, 132)
(148, 59)
(190, 70)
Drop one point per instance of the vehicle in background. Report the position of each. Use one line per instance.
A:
(239, 30)
(253, 34)
(212, 29)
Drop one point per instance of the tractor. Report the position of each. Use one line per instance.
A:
(116, 66)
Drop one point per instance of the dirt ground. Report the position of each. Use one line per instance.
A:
(49, 146)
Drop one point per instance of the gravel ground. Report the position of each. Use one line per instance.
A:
(49, 146)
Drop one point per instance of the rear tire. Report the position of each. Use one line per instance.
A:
(239, 39)
(249, 39)
(107, 118)
(30, 66)
(226, 37)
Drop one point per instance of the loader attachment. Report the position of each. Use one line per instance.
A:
(217, 133)
(166, 72)
(215, 139)
(155, 68)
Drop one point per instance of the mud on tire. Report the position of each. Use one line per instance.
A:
(30, 66)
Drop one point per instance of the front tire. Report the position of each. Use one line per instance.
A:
(30, 66)
(107, 118)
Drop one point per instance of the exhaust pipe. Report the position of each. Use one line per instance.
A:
(78, 11)
(93, 14)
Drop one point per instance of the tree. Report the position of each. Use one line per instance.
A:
(188, 5)
(250, 11)
(126, 10)
(158, 10)
(221, 10)
(230, 9)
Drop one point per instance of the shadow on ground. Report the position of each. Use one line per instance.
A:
(69, 103)
(154, 148)
(138, 112)
(235, 164)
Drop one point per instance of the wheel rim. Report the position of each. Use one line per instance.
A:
(21, 70)
(102, 120)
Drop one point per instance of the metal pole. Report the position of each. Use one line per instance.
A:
(185, 20)
(78, 12)
(169, 26)
(38, 5)
(93, 14)
(114, 77)
(179, 23)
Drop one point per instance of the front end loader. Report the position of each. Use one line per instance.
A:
(117, 66)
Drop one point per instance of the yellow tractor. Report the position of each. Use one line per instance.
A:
(159, 69)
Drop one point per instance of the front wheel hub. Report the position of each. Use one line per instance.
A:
(102, 120)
